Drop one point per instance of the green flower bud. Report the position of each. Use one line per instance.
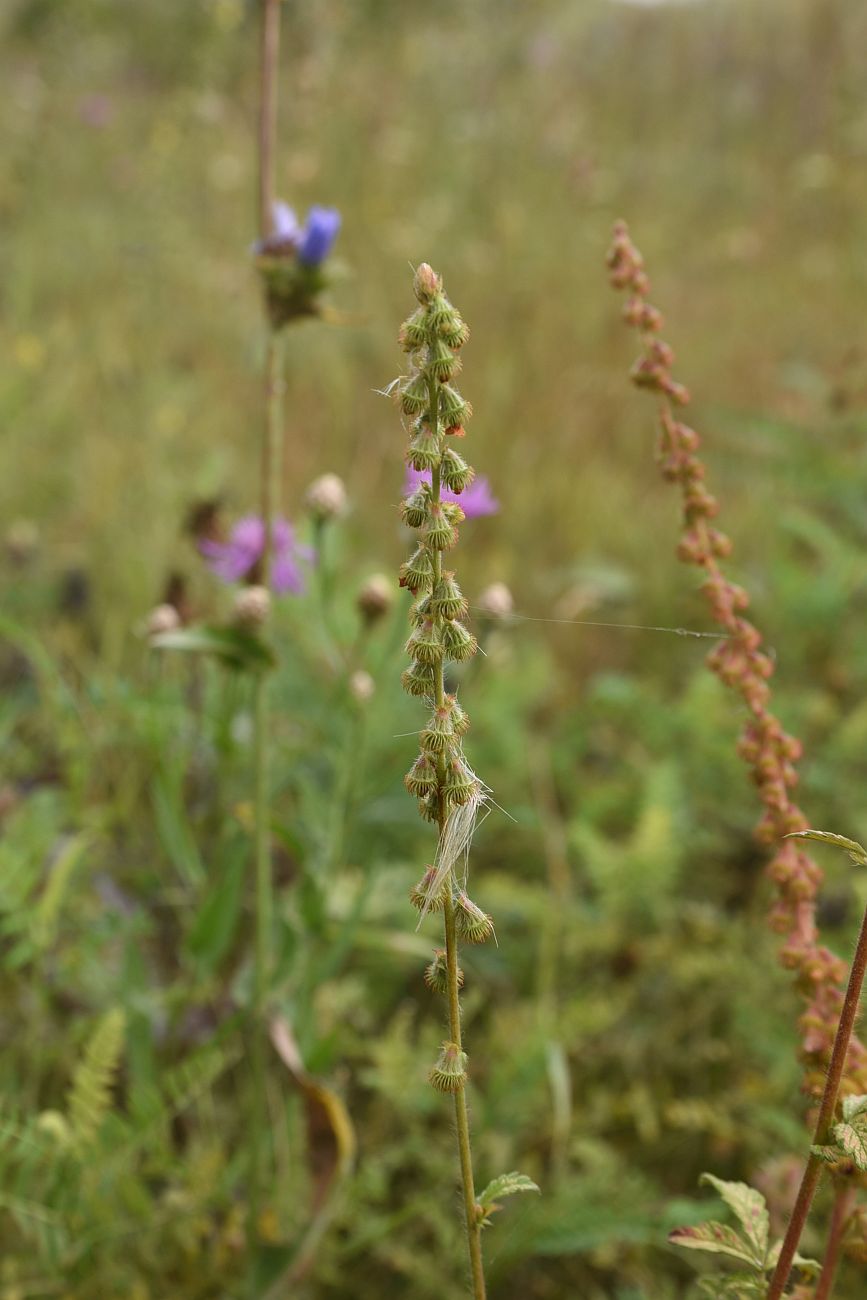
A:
(440, 533)
(417, 571)
(453, 513)
(458, 643)
(426, 283)
(440, 361)
(447, 600)
(439, 733)
(413, 331)
(419, 679)
(460, 784)
(421, 779)
(436, 974)
(414, 395)
(451, 328)
(424, 451)
(425, 643)
(429, 807)
(453, 408)
(454, 470)
(450, 1072)
(414, 508)
(421, 897)
(460, 719)
(472, 923)
(419, 611)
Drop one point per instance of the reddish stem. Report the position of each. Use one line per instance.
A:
(843, 1203)
(826, 1116)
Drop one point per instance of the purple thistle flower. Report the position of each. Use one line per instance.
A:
(475, 500)
(236, 559)
(318, 236)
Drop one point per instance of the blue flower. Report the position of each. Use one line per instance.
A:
(318, 235)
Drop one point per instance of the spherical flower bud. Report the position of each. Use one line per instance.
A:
(496, 601)
(252, 607)
(472, 923)
(362, 687)
(436, 974)
(326, 497)
(163, 618)
(375, 597)
(414, 508)
(423, 452)
(426, 283)
(450, 1072)
(426, 895)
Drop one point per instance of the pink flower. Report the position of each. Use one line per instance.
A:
(239, 557)
(475, 501)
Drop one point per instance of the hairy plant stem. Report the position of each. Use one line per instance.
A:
(462, 1119)
(843, 1203)
(826, 1117)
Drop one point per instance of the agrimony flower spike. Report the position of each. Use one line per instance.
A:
(447, 790)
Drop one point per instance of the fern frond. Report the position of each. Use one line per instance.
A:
(89, 1098)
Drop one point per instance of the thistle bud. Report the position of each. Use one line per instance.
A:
(496, 601)
(441, 361)
(414, 395)
(413, 332)
(427, 895)
(252, 607)
(460, 719)
(414, 508)
(453, 408)
(424, 450)
(326, 497)
(450, 1072)
(472, 923)
(426, 283)
(437, 973)
(161, 619)
(375, 597)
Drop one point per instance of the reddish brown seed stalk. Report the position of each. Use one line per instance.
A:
(742, 664)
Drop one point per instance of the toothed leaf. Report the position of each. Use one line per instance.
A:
(717, 1238)
(856, 851)
(750, 1209)
(505, 1185)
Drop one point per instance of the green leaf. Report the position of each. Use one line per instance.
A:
(505, 1185)
(811, 1267)
(215, 925)
(750, 1209)
(717, 1238)
(230, 645)
(852, 1139)
(856, 851)
(829, 1154)
(853, 1106)
(738, 1286)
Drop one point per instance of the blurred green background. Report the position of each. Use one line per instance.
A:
(631, 1029)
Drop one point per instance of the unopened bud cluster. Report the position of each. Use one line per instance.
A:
(435, 413)
(742, 664)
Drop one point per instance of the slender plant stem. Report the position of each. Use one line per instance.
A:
(462, 1119)
(826, 1116)
(270, 462)
(843, 1203)
(268, 63)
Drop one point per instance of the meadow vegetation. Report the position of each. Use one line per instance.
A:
(631, 1028)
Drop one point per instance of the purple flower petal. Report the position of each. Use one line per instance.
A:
(318, 235)
(234, 560)
(284, 233)
(475, 500)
